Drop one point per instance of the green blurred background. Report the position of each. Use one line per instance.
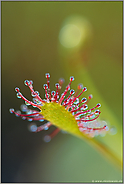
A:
(31, 48)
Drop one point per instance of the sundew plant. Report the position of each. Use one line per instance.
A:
(62, 115)
(66, 111)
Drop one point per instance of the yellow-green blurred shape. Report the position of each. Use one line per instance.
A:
(75, 31)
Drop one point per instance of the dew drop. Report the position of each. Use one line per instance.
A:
(102, 133)
(92, 134)
(37, 93)
(47, 138)
(57, 85)
(98, 105)
(46, 127)
(103, 123)
(18, 95)
(89, 125)
(33, 94)
(84, 129)
(24, 108)
(30, 119)
(97, 124)
(80, 86)
(31, 82)
(76, 101)
(81, 129)
(84, 89)
(84, 124)
(92, 116)
(34, 100)
(96, 132)
(29, 112)
(90, 96)
(86, 132)
(83, 100)
(47, 75)
(26, 103)
(18, 113)
(24, 118)
(61, 81)
(71, 78)
(112, 131)
(11, 110)
(97, 111)
(32, 127)
(26, 82)
(17, 89)
(72, 92)
(91, 130)
(45, 86)
(53, 93)
(41, 120)
(85, 107)
(106, 128)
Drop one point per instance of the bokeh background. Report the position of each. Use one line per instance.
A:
(32, 45)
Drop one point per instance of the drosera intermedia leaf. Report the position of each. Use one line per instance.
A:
(66, 111)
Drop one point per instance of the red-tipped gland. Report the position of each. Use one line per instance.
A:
(86, 119)
(18, 95)
(84, 89)
(26, 82)
(61, 81)
(17, 89)
(11, 111)
(85, 107)
(71, 78)
(106, 127)
(80, 86)
(57, 85)
(83, 100)
(72, 92)
(33, 94)
(90, 96)
(37, 93)
(98, 105)
(17, 113)
(47, 75)
(53, 93)
(31, 82)
(97, 111)
(45, 86)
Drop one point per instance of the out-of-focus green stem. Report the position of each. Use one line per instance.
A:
(72, 63)
(108, 148)
(106, 152)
